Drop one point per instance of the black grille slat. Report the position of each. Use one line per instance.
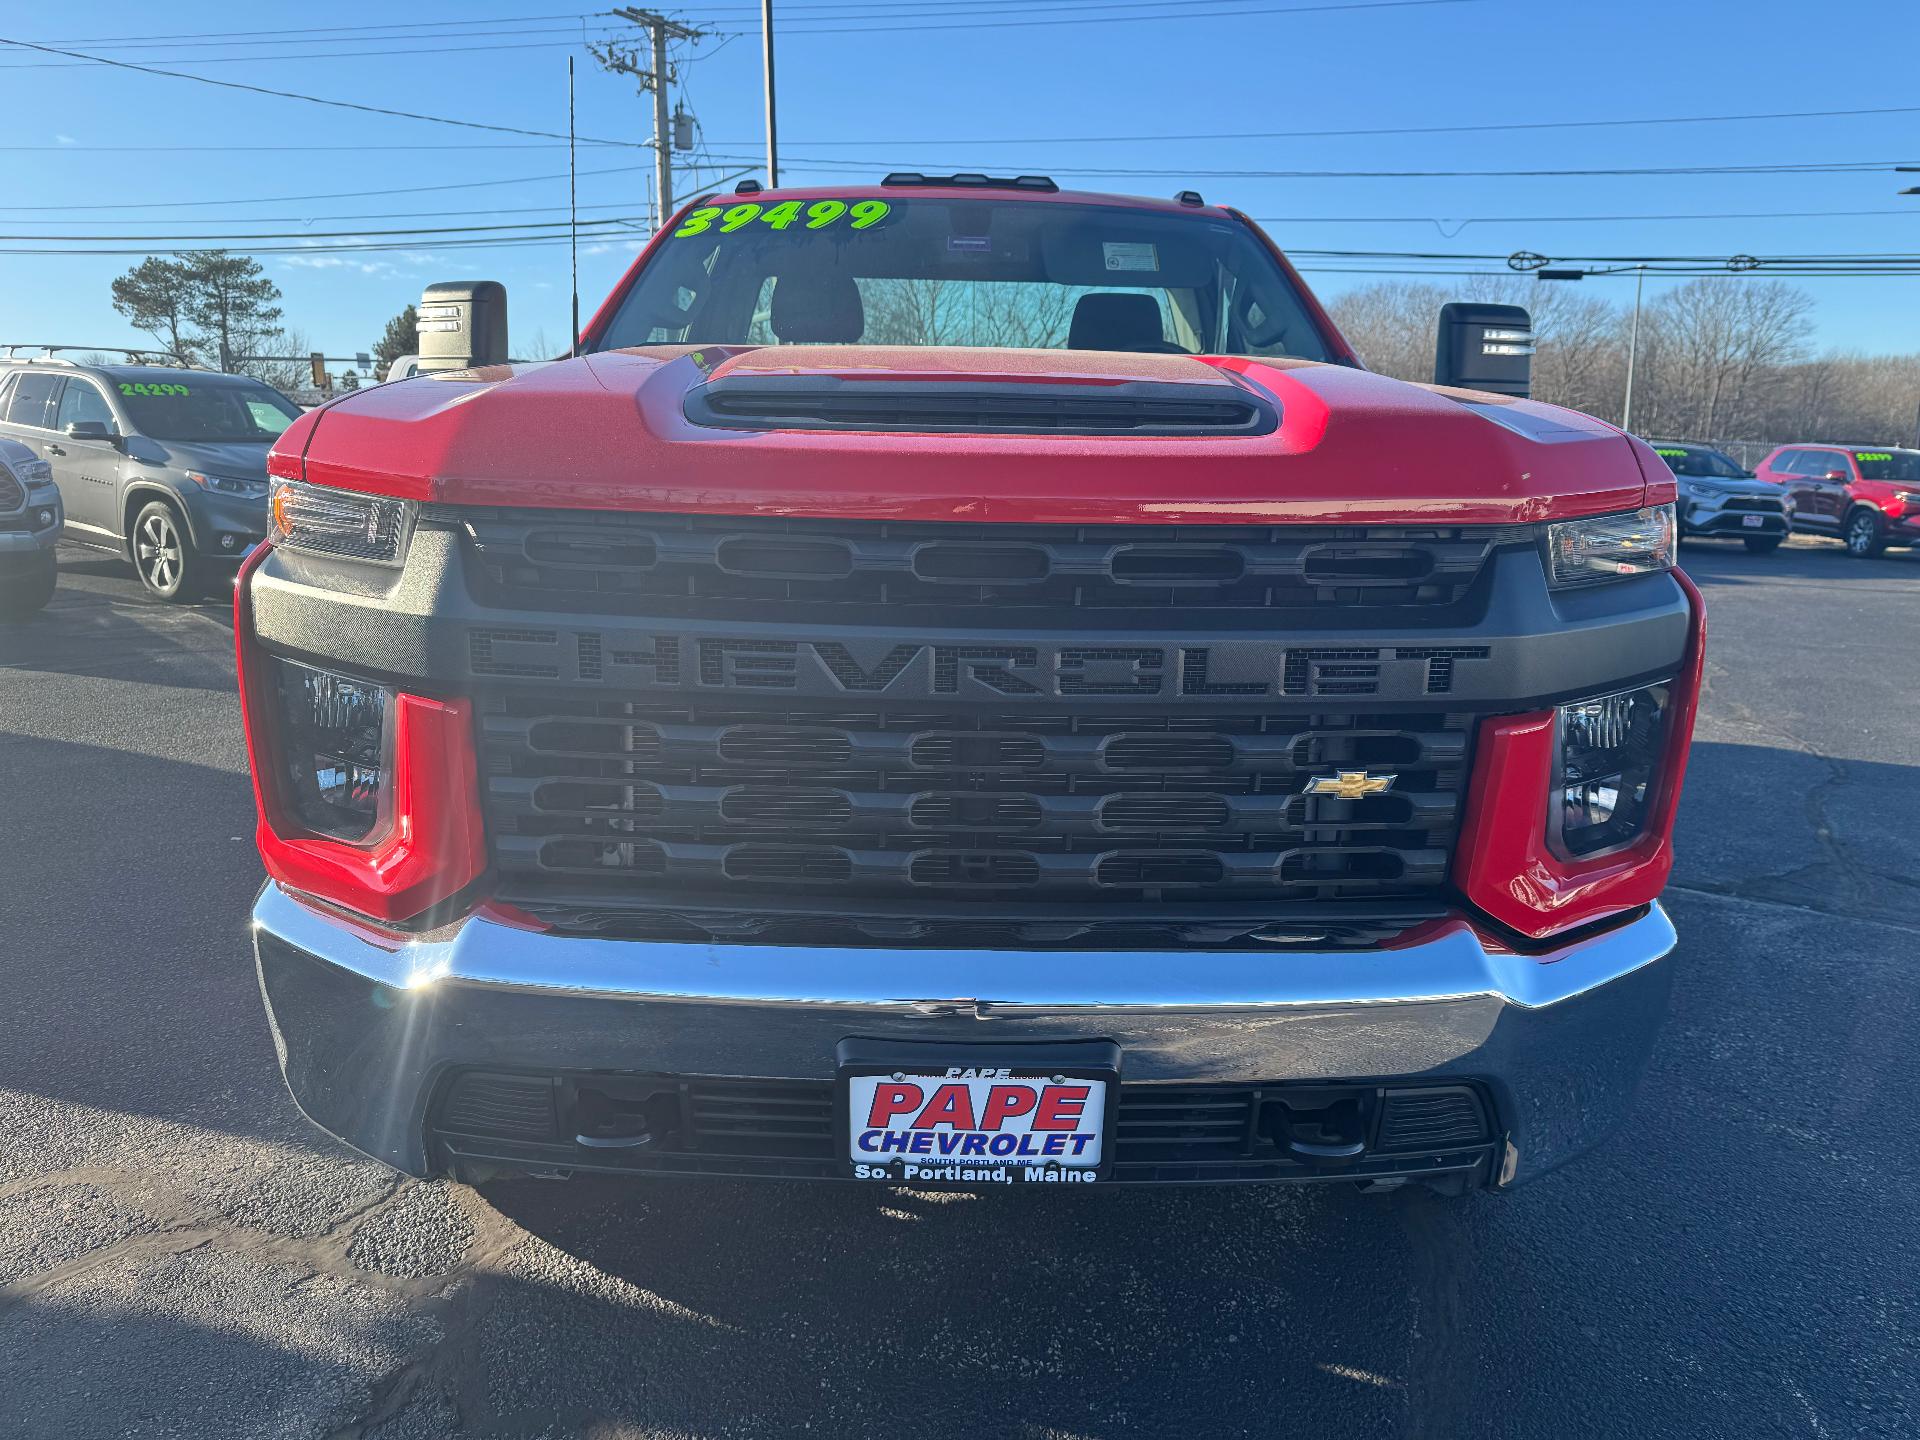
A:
(587, 797)
(13, 494)
(636, 563)
(1173, 1131)
(519, 1106)
(1419, 1120)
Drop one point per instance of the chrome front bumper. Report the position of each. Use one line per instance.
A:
(367, 1028)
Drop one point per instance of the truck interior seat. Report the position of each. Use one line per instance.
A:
(1117, 322)
(817, 308)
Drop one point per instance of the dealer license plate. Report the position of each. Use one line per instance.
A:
(975, 1122)
(1753, 522)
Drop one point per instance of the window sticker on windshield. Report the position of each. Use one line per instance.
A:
(1873, 455)
(145, 389)
(1130, 255)
(1670, 454)
(789, 214)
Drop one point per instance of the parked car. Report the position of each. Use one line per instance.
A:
(803, 737)
(162, 465)
(1720, 500)
(1867, 496)
(30, 518)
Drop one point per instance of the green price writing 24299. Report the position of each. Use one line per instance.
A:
(788, 215)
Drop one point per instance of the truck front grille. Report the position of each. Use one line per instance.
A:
(12, 493)
(665, 565)
(604, 802)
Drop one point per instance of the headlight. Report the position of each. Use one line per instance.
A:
(34, 472)
(336, 745)
(1606, 753)
(1610, 547)
(228, 484)
(340, 522)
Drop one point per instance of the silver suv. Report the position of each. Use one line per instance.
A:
(163, 465)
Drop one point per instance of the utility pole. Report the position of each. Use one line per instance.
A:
(655, 77)
(1633, 346)
(766, 53)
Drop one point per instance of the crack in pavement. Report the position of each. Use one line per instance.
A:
(1840, 871)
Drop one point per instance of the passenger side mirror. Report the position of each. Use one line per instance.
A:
(1485, 347)
(95, 430)
(463, 323)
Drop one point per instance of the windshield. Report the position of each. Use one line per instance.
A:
(200, 409)
(916, 271)
(1696, 462)
(1903, 465)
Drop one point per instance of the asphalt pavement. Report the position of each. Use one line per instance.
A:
(181, 1255)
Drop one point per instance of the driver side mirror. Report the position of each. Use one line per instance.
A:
(1839, 475)
(97, 431)
(1485, 347)
(463, 323)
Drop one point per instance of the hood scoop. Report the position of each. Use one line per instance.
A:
(1018, 405)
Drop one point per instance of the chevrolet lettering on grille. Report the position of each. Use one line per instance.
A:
(908, 669)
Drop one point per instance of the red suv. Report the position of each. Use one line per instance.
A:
(1868, 498)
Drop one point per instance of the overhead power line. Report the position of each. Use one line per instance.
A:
(801, 11)
(1097, 12)
(798, 7)
(1811, 167)
(410, 230)
(1373, 130)
(319, 29)
(792, 28)
(311, 99)
(317, 55)
(329, 195)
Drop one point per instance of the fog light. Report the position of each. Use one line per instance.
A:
(42, 518)
(1608, 750)
(336, 745)
(229, 541)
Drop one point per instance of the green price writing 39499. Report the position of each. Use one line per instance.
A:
(859, 215)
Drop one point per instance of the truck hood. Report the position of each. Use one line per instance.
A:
(612, 431)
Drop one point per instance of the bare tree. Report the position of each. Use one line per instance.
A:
(1715, 336)
(283, 375)
(907, 311)
(1392, 326)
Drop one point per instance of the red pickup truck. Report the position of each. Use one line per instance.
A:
(965, 683)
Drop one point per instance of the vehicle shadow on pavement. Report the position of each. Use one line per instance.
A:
(736, 1307)
(122, 635)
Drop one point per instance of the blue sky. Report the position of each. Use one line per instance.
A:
(867, 86)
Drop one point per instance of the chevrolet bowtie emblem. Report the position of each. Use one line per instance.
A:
(1350, 784)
